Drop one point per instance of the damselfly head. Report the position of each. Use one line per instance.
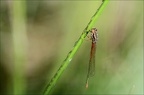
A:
(93, 30)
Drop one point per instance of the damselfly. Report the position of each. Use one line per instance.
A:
(91, 68)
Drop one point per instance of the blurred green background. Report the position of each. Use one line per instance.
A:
(36, 36)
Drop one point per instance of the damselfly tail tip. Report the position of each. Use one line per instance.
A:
(86, 86)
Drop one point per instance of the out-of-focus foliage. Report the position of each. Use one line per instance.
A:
(52, 29)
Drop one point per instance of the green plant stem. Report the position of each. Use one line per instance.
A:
(19, 39)
(73, 51)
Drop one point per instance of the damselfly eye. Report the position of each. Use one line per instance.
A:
(95, 29)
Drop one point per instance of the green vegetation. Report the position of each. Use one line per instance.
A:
(35, 37)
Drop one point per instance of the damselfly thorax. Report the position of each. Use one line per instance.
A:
(94, 35)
